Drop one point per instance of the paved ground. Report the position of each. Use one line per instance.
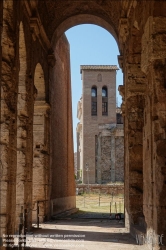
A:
(82, 234)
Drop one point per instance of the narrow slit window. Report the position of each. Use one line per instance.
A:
(93, 101)
(104, 101)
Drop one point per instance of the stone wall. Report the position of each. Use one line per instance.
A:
(104, 189)
(25, 119)
(119, 155)
(154, 142)
(110, 157)
(105, 162)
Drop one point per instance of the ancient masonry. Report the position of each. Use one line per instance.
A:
(100, 137)
(36, 141)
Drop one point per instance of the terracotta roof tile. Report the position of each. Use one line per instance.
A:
(98, 67)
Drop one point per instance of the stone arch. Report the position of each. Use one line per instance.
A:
(82, 19)
(40, 145)
(22, 117)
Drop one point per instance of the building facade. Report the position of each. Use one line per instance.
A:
(100, 145)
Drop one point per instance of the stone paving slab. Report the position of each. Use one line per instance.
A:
(80, 234)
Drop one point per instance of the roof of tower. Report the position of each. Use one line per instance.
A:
(98, 67)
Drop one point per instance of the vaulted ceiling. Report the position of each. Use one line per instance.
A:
(55, 12)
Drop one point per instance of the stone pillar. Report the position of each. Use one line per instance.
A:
(133, 107)
(22, 120)
(40, 167)
(153, 64)
(8, 118)
(1, 166)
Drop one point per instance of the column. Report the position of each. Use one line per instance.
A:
(133, 107)
(153, 64)
(40, 167)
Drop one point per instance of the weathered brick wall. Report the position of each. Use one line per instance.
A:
(62, 157)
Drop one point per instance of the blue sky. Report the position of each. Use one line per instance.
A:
(90, 45)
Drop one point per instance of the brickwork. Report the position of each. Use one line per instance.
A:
(97, 132)
(91, 123)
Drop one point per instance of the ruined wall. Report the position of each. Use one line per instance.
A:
(105, 163)
(1, 168)
(119, 156)
(110, 158)
(154, 65)
(8, 127)
(20, 54)
(63, 187)
(133, 105)
(25, 118)
(144, 108)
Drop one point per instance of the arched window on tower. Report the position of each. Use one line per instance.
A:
(104, 101)
(93, 101)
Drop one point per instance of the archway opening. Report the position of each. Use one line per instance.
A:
(40, 148)
(94, 55)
